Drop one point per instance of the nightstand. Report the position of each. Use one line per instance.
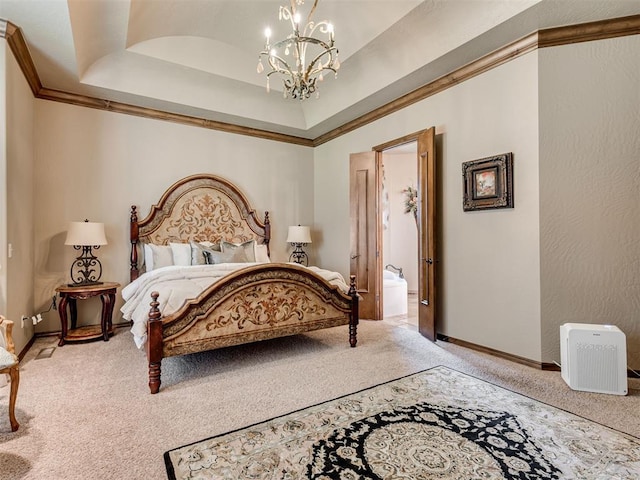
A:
(69, 295)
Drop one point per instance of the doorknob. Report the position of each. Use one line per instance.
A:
(353, 257)
(428, 260)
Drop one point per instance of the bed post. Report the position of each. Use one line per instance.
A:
(267, 232)
(354, 315)
(154, 344)
(134, 272)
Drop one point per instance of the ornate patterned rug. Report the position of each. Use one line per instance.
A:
(436, 424)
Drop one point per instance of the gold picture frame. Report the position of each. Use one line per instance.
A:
(488, 183)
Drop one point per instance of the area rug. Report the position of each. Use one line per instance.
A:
(435, 424)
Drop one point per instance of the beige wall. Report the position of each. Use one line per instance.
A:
(19, 131)
(490, 290)
(4, 54)
(569, 250)
(94, 164)
(590, 189)
(568, 114)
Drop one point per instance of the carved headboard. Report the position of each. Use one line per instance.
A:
(198, 208)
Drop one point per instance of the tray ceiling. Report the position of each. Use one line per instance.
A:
(199, 57)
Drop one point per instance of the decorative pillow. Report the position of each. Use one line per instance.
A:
(181, 253)
(198, 249)
(211, 245)
(247, 247)
(261, 253)
(156, 256)
(230, 256)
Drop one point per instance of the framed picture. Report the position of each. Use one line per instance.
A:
(488, 183)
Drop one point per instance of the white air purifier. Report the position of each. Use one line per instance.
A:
(593, 358)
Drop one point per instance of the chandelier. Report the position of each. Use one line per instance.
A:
(300, 58)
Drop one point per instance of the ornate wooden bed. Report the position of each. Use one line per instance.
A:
(257, 302)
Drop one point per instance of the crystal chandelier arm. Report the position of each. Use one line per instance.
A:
(311, 71)
(328, 50)
(276, 68)
(324, 26)
(313, 9)
(293, 10)
(286, 14)
(276, 62)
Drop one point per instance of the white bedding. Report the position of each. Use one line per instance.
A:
(177, 283)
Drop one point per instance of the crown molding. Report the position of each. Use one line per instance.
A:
(587, 32)
(128, 109)
(13, 35)
(550, 37)
(15, 39)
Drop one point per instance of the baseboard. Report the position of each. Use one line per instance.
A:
(514, 358)
(26, 348)
(491, 351)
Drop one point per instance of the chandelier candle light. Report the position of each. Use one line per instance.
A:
(300, 58)
(86, 269)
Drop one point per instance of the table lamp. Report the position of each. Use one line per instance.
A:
(86, 269)
(298, 237)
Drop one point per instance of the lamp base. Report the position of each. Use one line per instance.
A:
(86, 269)
(298, 255)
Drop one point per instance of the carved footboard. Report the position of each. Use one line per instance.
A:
(255, 303)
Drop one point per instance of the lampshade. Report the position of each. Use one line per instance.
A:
(299, 235)
(86, 234)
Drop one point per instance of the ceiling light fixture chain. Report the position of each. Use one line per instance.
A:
(288, 57)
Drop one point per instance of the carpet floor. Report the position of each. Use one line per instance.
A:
(86, 412)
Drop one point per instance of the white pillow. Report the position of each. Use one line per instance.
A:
(261, 253)
(156, 256)
(181, 253)
(148, 257)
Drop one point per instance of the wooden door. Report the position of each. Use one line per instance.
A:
(427, 228)
(363, 197)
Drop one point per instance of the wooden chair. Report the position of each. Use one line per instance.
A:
(9, 364)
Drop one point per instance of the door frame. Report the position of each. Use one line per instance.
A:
(379, 149)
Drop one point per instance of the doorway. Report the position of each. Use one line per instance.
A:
(365, 187)
(399, 218)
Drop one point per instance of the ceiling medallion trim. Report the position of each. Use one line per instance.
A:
(600, 30)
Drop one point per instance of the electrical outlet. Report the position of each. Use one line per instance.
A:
(24, 317)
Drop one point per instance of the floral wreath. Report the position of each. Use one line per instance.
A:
(411, 201)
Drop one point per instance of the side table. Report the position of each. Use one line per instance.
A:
(69, 296)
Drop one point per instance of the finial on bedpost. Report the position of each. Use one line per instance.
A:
(267, 232)
(134, 235)
(154, 344)
(352, 285)
(154, 312)
(354, 315)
